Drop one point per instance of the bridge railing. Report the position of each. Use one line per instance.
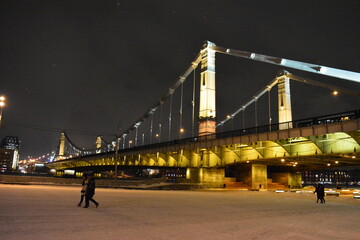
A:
(325, 119)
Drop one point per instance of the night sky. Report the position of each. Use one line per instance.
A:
(89, 66)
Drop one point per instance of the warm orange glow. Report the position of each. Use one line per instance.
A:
(207, 127)
(181, 130)
(335, 93)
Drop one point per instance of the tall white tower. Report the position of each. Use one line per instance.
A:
(284, 101)
(207, 109)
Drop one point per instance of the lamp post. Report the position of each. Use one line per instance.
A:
(2, 104)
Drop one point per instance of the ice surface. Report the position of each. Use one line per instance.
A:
(50, 212)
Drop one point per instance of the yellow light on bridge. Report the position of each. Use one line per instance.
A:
(335, 93)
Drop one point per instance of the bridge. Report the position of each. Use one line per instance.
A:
(286, 147)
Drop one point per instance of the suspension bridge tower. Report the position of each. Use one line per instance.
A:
(284, 100)
(207, 109)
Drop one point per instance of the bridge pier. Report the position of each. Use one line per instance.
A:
(289, 179)
(207, 177)
(253, 175)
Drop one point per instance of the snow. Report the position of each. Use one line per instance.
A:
(50, 212)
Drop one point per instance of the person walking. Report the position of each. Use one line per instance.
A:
(90, 191)
(320, 193)
(83, 190)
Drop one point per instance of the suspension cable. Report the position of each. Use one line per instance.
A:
(256, 120)
(151, 126)
(171, 96)
(160, 121)
(269, 100)
(193, 104)
(181, 109)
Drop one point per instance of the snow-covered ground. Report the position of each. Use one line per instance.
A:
(50, 212)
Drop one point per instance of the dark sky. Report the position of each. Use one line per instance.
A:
(86, 65)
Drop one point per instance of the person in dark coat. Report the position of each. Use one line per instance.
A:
(90, 191)
(320, 192)
(83, 190)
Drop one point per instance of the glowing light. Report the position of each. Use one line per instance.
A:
(353, 157)
(282, 160)
(2, 98)
(328, 164)
(336, 162)
(228, 116)
(157, 135)
(247, 161)
(181, 130)
(335, 93)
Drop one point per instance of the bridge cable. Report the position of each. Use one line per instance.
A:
(252, 100)
(193, 104)
(171, 96)
(181, 109)
(160, 121)
(269, 107)
(323, 85)
(151, 126)
(256, 120)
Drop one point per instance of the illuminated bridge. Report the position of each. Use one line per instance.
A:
(277, 151)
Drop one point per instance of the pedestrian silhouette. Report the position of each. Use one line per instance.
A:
(320, 193)
(83, 190)
(90, 191)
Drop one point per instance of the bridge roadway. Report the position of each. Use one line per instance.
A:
(308, 145)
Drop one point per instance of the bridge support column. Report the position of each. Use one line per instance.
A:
(284, 101)
(62, 146)
(254, 175)
(289, 179)
(98, 144)
(208, 177)
(207, 108)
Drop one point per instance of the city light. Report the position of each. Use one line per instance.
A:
(335, 93)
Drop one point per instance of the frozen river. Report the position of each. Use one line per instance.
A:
(50, 212)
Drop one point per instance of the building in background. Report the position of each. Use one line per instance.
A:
(9, 153)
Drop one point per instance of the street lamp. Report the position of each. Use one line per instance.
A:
(2, 104)
(181, 132)
(130, 142)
